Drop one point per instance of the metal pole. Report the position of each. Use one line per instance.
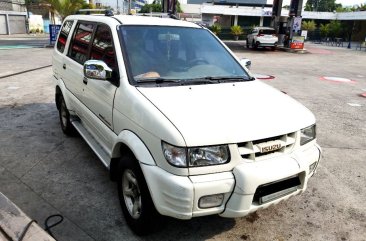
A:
(350, 35)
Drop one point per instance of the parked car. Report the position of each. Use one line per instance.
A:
(183, 127)
(262, 37)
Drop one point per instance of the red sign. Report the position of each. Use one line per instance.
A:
(297, 45)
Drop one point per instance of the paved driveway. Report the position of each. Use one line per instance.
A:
(45, 172)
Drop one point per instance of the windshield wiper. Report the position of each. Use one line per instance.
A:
(228, 78)
(158, 80)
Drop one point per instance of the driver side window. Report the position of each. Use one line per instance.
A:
(102, 47)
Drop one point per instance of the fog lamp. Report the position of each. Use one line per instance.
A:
(211, 201)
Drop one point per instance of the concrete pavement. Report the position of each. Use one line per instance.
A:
(45, 172)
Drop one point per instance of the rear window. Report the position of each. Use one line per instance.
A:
(64, 33)
(267, 31)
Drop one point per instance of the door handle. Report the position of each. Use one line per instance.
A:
(64, 66)
(85, 80)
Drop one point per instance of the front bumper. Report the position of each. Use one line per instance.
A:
(178, 196)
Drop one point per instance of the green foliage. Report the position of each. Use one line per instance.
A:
(324, 30)
(309, 25)
(151, 8)
(156, 7)
(216, 28)
(321, 5)
(335, 28)
(65, 7)
(236, 30)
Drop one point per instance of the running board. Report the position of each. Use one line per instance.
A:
(98, 150)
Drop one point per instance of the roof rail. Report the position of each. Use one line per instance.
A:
(107, 12)
(157, 14)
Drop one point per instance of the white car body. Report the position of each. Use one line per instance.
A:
(262, 37)
(235, 114)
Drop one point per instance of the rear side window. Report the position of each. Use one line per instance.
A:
(64, 33)
(102, 47)
(267, 31)
(80, 43)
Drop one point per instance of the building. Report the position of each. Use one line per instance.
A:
(12, 16)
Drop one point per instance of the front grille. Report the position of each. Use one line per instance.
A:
(271, 191)
(251, 150)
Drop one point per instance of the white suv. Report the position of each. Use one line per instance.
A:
(262, 37)
(181, 124)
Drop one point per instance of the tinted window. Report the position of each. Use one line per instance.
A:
(80, 44)
(64, 33)
(267, 31)
(102, 48)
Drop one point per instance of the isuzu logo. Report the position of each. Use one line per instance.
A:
(269, 146)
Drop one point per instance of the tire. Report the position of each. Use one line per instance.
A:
(254, 46)
(134, 196)
(247, 43)
(64, 115)
(273, 48)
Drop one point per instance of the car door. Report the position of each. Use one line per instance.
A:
(77, 54)
(99, 94)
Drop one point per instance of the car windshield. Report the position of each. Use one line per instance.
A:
(178, 55)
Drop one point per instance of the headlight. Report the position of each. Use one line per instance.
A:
(210, 155)
(177, 156)
(196, 156)
(307, 134)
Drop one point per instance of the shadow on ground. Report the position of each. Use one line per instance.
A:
(45, 172)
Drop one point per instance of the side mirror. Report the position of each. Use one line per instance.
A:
(246, 62)
(97, 69)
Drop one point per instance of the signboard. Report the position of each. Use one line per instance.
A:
(304, 33)
(54, 29)
(297, 24)
(297, 42)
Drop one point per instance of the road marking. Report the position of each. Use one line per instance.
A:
(354, 104)
(13, 88)
(6, 47)
(264, 77)
(337, 79)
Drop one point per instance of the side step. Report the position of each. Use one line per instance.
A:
(98, 150)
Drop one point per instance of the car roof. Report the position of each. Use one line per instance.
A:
(134, 20)
(260, 28)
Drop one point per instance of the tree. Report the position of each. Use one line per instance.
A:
(309, 25)
(321, 5)
(151, 8)
(335, 28)
(156, 7)
(64, 7)
(324, 30)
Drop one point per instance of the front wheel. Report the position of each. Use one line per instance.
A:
(247, 43)
(134, 196)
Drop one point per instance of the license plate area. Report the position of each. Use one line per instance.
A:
(272, 191)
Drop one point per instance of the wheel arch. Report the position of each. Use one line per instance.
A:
(128, 143)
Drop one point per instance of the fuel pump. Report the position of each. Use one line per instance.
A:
(287, 27)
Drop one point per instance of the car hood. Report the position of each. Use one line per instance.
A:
(228, 112)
